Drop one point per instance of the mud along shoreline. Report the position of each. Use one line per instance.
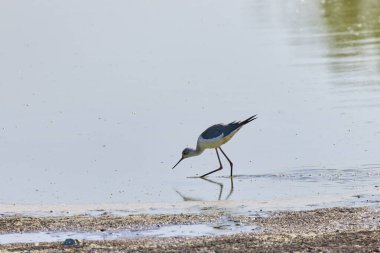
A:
(335, 229)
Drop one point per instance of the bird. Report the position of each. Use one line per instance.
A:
(214, 137)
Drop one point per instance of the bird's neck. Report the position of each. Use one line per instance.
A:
(197, 151)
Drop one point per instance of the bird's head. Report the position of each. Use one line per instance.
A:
(186, 153)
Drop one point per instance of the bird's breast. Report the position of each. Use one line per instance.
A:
(210, 143)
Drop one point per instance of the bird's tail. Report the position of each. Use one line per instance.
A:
(242, 123)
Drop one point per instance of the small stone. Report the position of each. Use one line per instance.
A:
(70, 242)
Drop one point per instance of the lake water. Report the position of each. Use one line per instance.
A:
(98, 99)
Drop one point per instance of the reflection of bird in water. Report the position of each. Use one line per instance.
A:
(185, 198)
(214, 137)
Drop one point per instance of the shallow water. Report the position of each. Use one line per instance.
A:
(97, 101)
(166, 231)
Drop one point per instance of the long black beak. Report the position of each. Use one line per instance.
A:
(178, 162)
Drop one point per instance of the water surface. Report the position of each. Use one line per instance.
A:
(98, 99)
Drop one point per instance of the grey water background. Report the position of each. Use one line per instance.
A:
(99, 98)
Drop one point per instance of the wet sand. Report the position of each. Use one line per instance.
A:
(328, 229)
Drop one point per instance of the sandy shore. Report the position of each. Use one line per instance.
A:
(329, 229)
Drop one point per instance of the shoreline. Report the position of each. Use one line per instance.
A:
(334, 229)
(299, 204)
